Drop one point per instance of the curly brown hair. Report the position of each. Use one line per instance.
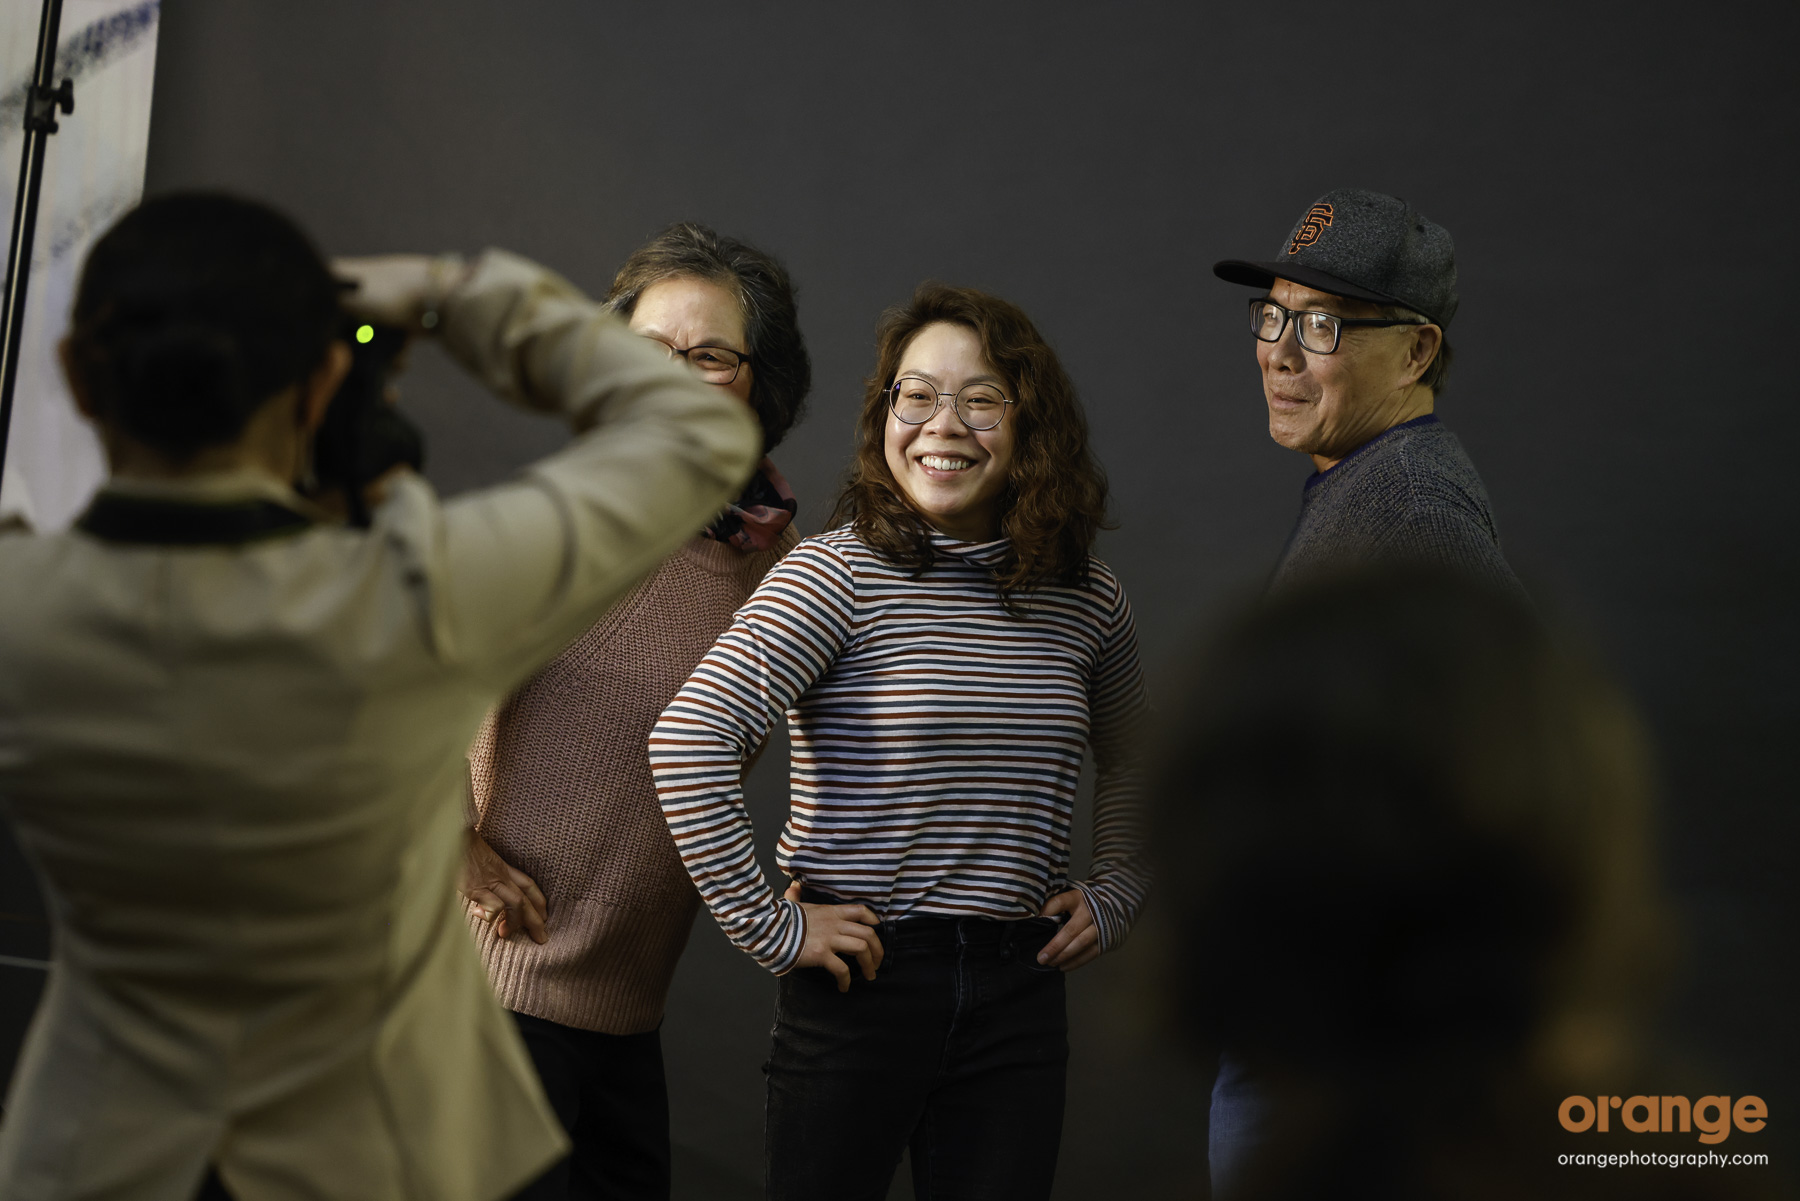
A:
(1055, 498)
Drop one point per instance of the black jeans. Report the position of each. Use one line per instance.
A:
(610, 1092)
(959, 1048)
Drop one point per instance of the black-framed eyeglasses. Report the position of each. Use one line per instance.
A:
(716, 364)
(916, 401)
(1318, 332)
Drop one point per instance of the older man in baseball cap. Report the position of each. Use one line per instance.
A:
(1350, 327)
(1352, 345)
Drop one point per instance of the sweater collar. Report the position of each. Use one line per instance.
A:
(987, 554)
(1391, 432)
(724, 558)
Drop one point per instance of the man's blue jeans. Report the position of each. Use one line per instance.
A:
(1239, 1124)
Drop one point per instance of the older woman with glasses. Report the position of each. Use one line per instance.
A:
(944, 657)
(580, 904)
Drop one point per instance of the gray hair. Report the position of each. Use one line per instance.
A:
(1437, 372)
(781, 370)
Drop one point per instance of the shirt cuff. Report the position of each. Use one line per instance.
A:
(1113, 916)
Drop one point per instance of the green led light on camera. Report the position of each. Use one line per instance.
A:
(365, 333)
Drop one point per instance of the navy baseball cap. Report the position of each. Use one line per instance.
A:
(1366, 246)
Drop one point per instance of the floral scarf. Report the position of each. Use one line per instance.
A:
(755, 520)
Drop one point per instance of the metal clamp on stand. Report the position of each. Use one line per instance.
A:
(40, 117)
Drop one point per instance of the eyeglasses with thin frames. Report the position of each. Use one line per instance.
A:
(716, 364)
(1317, 332)
(916, 401)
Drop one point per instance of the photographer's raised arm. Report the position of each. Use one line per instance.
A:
(518, 570)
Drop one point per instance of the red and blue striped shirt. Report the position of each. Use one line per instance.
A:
(937, 743)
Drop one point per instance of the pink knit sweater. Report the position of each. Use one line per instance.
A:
(562, 790)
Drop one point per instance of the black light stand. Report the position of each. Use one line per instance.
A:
(40, 122)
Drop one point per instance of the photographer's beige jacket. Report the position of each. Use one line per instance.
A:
(239, 769)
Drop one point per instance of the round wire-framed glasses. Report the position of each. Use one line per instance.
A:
(915, 401)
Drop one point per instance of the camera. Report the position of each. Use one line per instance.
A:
(364, 436)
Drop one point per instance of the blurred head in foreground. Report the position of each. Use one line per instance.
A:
(1414, 874)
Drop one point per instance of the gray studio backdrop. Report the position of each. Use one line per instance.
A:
(1621, 194)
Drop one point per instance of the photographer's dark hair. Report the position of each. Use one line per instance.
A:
(194, 311)
(781, 370)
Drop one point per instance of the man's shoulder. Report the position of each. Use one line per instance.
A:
(1431, 445)
(1445, 515)
(1417, 465)
(1440, 474)
(1412, 494)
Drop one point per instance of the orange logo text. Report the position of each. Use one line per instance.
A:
(1713, 1117)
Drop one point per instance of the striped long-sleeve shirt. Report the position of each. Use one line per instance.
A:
(937, 742)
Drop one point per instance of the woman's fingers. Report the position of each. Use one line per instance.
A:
(1083, 947)
(534, 910)
(531, 917)
(490, 905)
(492, 909)
(866, 955)
(854, 938)
(1077, 934)
(529, 887)
(507, 892)
(836, 930)
(860, 918)
(518, 911)
(1082, 958)
(838, 971)
(1063, 938)
(507, 896)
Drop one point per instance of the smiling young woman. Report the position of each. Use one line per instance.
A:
(945, 657)
(1048, 501)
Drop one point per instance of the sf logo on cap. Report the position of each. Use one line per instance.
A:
(1317, 218)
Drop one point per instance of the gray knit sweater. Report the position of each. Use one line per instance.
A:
(1407, 495)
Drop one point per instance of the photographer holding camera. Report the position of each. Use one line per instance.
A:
(232, 733)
